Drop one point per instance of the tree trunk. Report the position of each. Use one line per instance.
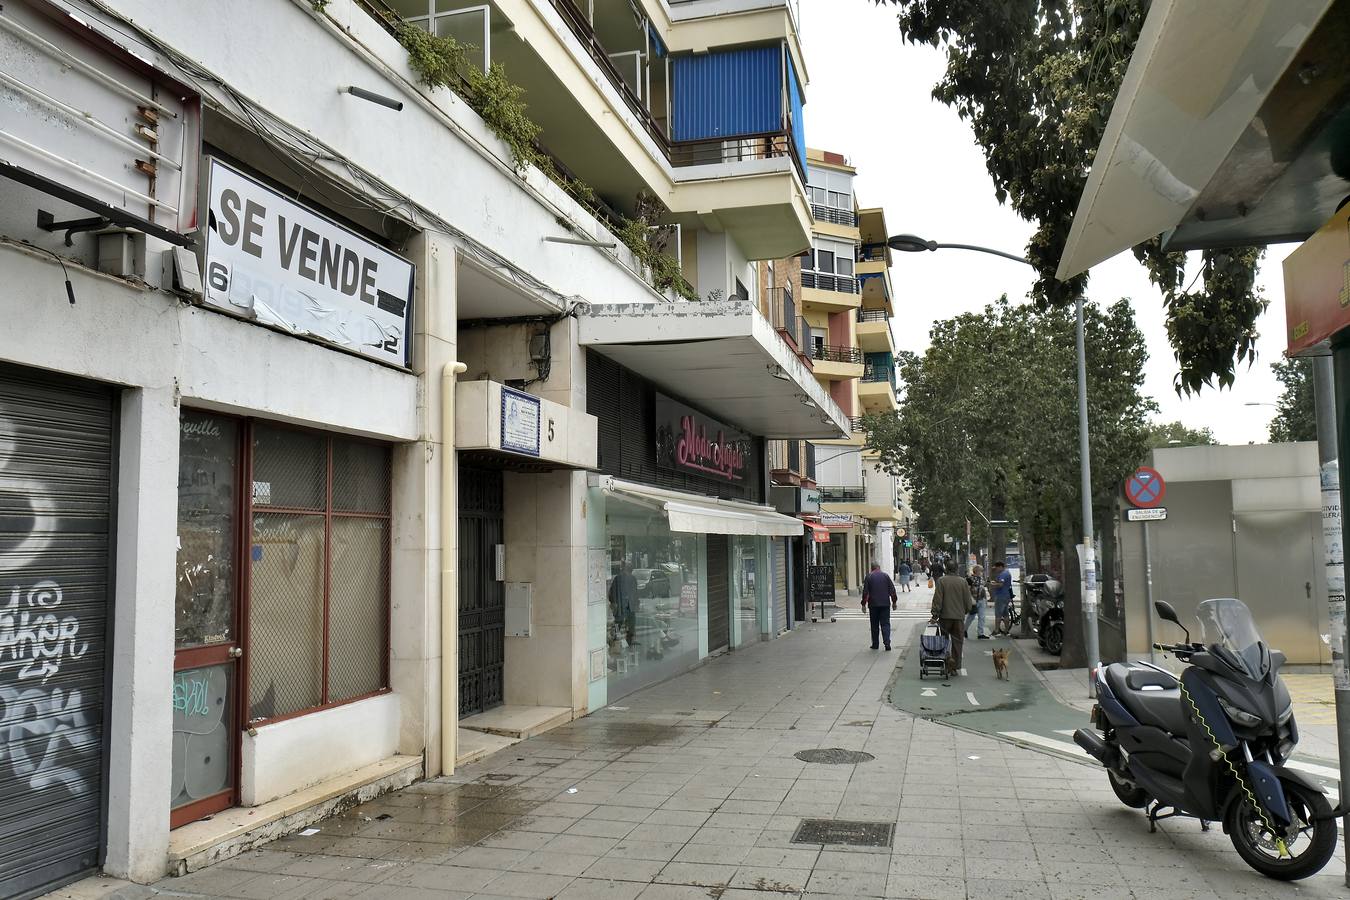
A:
(1074, 655)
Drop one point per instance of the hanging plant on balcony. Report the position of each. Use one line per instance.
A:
(663, 270)
(444, 62)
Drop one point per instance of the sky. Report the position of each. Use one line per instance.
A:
(869, 98)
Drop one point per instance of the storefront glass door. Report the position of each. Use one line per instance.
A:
(206, 621)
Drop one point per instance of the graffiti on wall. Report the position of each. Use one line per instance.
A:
(48, 734)
(44, 735)
(35, 637)
(201, 738)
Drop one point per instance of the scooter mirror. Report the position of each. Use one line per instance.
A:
(1166, 612)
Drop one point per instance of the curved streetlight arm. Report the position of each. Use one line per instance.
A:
(912, 243)
(990, 250)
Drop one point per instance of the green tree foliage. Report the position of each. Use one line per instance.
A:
(1296, 413)
(1175, 434)
(990, 417)
(1036, 80)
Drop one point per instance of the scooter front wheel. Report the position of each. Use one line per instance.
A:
(1308, 849)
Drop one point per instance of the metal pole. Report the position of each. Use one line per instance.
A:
(1148, 594)
(1329, 373)
(1089, 574)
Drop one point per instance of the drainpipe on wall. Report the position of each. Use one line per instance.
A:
(449, 573)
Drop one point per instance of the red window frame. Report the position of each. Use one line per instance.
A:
(243, 558)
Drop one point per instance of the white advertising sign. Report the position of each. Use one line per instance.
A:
(279, 263)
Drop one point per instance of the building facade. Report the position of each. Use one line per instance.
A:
(328, 423)
(847, 305)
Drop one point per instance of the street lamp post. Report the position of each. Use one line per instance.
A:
(909, 243)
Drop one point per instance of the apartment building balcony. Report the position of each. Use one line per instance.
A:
(832, 362)
(874, 331)
(873, 258)
(877, 389)
(831, 293)
(626, 105)
(856, 500)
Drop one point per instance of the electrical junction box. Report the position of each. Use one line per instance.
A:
(519, 599)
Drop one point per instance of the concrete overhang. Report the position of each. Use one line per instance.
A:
(1218, 136)
(719, 357)
(527, 432)
(760, 202)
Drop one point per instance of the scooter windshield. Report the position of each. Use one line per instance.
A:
(1226, 623)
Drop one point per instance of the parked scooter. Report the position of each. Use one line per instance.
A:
(1213, 745)
(1046, 598)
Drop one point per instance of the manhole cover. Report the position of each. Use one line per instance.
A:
(834, 756)
(854, 834)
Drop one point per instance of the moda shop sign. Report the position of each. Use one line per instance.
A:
(689, 441)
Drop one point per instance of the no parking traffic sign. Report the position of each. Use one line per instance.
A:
(1145, 488)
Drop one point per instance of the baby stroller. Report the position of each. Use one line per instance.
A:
(933, 649)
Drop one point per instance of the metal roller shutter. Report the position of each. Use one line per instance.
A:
(780, 585)
(56, 452)
(719, 594)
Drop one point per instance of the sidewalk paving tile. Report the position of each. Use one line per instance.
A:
(693, 791)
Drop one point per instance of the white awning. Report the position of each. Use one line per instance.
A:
(705, 515)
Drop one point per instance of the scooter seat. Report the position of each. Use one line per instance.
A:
(1141, 679)
(1151, 696)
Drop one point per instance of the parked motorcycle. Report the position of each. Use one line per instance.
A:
(1043, 600)
(1213, 744)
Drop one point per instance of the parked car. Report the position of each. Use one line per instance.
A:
(652, 582)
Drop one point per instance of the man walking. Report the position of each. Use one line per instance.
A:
(1001, 588)
(877, 590)
(951, 601)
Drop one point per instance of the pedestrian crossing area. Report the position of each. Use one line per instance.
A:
(857, 612)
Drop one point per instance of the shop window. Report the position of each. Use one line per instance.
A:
(652, 613)
(305, 599)
(318, 583)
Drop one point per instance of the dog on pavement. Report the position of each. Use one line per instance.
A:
(1001, 664)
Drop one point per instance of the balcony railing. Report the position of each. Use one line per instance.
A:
(836, 353)
(872, 253)
(877, 374)
(837, 494)
(855, 425)
(783, 317)
(872, 315)
(585, 33)
(844, 284)
(770, 145)
(834, 216)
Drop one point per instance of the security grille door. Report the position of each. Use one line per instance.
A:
(482, 598)
(719, 595)
(56, 452)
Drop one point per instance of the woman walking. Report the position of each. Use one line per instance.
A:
(906, 573)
